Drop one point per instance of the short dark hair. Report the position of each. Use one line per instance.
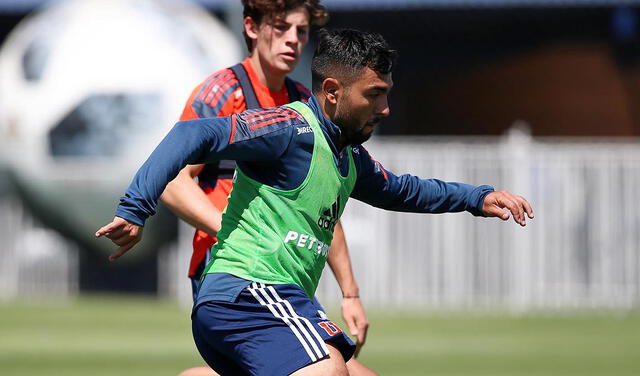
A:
(343, 53)
(268, 10)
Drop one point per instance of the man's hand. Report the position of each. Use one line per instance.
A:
(495, 203)
(356, 319)
(122, 233)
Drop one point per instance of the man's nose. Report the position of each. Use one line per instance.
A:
(383, 109)
(292, 36)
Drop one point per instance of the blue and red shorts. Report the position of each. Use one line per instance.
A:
(266, 330)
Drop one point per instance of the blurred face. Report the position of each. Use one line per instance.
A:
(279, 42)
(362, 105)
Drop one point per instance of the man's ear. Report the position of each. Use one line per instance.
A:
(331, 89)
(250, 28)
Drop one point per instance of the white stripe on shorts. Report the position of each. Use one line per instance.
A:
(275, 301)
(312, 329)
(297, 318)
(283, 310)
(254, 291)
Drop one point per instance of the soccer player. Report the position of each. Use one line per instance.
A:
(275, 33)
(297, 166)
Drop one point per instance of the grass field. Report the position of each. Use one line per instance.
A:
(143, 336)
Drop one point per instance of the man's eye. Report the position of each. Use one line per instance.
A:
(281, 27)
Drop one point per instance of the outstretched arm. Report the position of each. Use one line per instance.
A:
(184, 197)
(352, 310)
(381, 188)
(193, 142)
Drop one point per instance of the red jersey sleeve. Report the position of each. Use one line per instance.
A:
(188, 113)
(218, 95)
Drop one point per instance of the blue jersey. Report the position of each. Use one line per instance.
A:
(244, 327)
(274, 146)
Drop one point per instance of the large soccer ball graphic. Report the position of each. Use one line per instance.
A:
(88, 88)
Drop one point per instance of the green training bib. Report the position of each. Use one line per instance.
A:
(275, 236)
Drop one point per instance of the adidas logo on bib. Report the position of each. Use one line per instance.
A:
(330, 216)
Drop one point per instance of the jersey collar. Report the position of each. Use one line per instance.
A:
(329, 128)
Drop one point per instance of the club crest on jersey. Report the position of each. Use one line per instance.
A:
(329, 327)
(330, 216)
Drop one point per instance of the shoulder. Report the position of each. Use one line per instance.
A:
(360, 153)
(365, 162)
(259, 122)
(215, 91)
(304, 92)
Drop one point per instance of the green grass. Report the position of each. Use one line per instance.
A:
(143, 336)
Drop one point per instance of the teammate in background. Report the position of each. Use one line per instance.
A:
(297, 164)
(275, 33)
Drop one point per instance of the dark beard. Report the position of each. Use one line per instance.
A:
(357, 137)
(351, 129)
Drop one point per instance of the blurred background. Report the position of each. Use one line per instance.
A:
(539, 97)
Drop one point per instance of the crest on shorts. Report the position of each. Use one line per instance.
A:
(329, 327)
